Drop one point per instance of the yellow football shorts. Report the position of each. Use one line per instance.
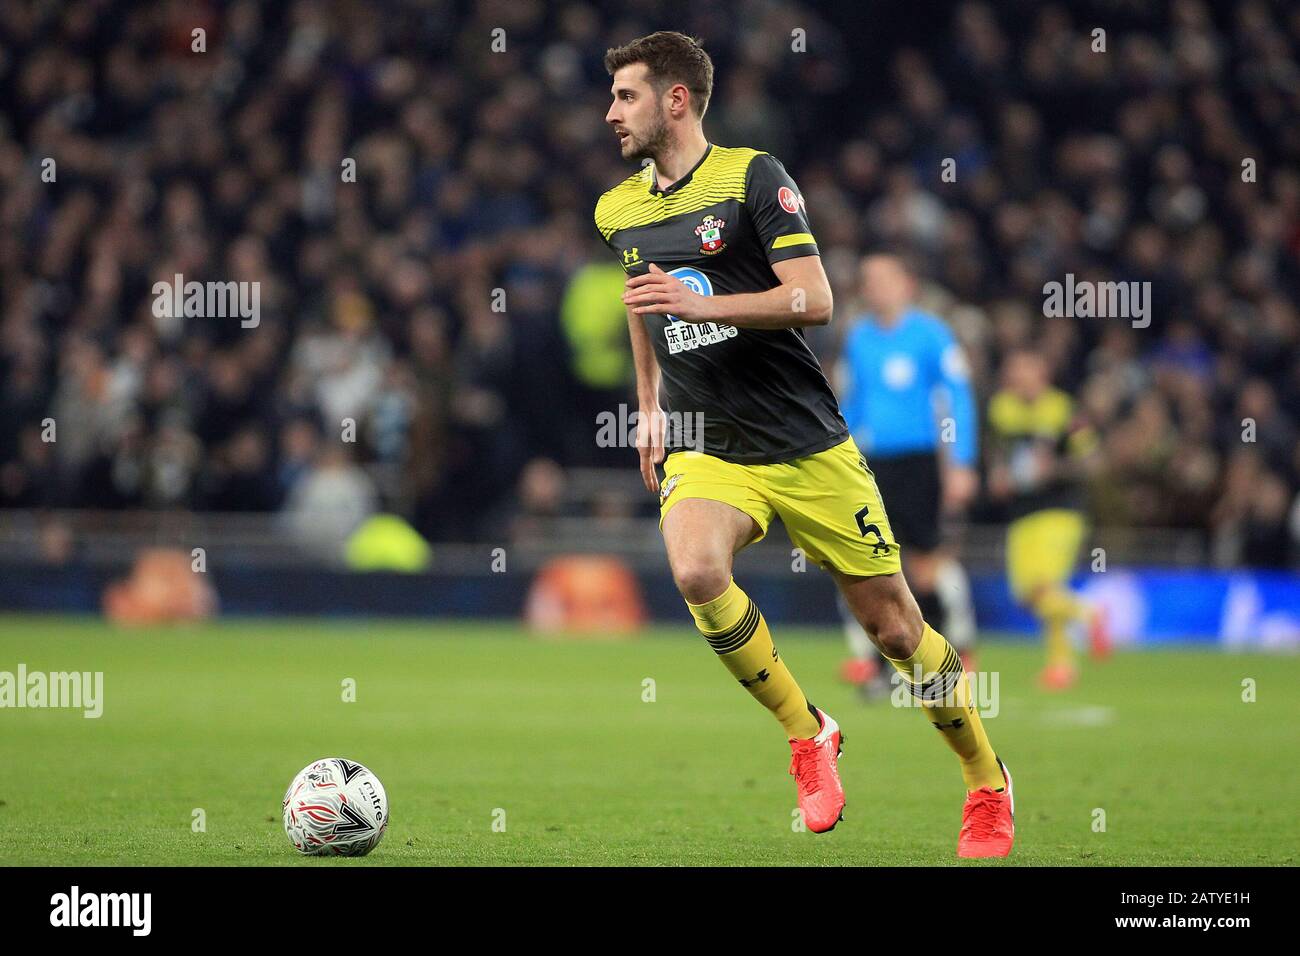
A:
(828, 502)
(1042, 549)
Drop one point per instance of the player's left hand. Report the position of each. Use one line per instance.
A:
(658, 293)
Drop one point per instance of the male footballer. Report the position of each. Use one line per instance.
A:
(723, 275)
(1040, 449)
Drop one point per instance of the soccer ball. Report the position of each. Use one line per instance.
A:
(335, 807)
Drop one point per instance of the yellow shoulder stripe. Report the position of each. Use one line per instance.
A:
(631, 203)
(794, 239)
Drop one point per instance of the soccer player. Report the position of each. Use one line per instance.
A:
(723, 274)
(1040, 449)
(895, 363)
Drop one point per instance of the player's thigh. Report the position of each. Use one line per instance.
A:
(832, 508)
(709, 510)
(701, 537)
(1042, 549)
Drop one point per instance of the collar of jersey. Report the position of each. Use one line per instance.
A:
(654, 179)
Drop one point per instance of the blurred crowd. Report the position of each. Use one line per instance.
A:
(433, 328)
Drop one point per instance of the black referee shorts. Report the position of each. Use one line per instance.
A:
(909, 487)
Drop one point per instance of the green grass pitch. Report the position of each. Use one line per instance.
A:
(464, 720)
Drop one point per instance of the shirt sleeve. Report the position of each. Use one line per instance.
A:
(607, 240)
(777, 210)
(596, 224)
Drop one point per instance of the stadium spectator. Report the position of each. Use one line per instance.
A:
(1169, 158)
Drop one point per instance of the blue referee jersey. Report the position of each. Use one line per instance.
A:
(898, 383)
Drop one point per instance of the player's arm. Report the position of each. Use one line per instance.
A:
(996, 455)
(1071, 453)
(803, 298)
(844, 379)
(851, 388)
(651, 423)
(1080, 451)
(952, 373)
(776, 210)
(650, 417)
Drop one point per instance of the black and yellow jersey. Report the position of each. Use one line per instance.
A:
(1020, 430)
(761, 393)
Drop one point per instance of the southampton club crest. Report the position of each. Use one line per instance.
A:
(710, 233)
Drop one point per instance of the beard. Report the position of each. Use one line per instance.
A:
(653, 143)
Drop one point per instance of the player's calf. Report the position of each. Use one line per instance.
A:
(733, 626)
(887, 611)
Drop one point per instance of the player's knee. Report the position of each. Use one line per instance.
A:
(897, 643)
(700, 581)
(895, 624)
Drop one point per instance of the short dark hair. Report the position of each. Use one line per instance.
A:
(670, 58)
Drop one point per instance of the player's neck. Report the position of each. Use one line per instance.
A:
(680, 158)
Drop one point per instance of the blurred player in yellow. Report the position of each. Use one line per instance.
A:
(1039, 450)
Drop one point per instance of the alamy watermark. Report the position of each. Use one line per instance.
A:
(39, 689)
(208, 300)
(619, 429)
(1085, 299)
(941, 690)
(130, 910)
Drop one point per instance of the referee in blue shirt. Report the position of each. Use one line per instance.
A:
(905, 392)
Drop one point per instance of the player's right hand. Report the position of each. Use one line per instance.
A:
(651, 423)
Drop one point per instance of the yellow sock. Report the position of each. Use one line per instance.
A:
(934, 675)
(1056, 609)
(737, 632)
(1057, 638)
